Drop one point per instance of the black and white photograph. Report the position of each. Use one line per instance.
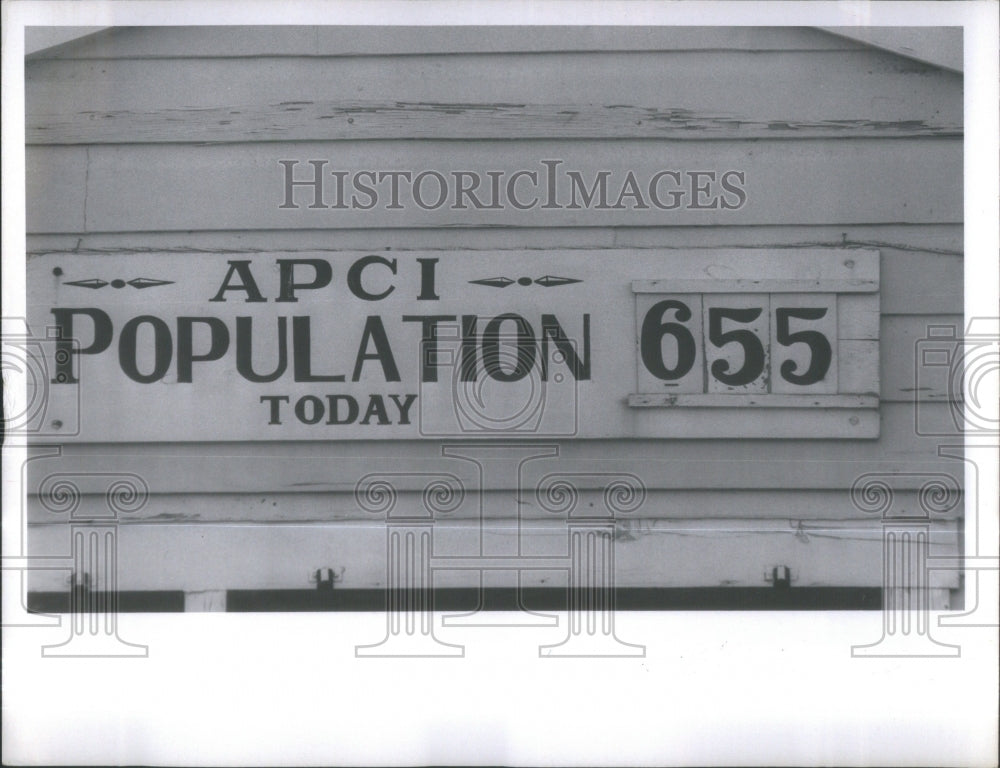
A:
(416, 383)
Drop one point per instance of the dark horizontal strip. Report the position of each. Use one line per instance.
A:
(139, 601)
(555, 599)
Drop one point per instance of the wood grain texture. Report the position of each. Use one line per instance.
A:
(709, 94)
(648, 553)
(252, 42)
(786, 183)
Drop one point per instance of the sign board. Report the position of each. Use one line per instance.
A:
(642, 343)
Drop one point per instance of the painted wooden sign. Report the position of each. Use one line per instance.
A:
(426, 344)
(438, 344)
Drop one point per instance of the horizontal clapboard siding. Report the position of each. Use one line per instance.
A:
(841, 146)
(704, 464)
(929, 239)
(724, 95)
(662, 553)
(280, 508)
(241, 186)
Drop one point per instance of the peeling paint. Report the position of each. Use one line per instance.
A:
(404, 120)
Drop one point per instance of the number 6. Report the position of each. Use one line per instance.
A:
(653, 331)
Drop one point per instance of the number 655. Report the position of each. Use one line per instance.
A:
(673, 318)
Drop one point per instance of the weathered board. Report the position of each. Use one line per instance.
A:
(709, 95)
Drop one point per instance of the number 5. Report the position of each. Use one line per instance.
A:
(753, 349)
(819, 362)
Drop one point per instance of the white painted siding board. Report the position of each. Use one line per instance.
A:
(731, 423)
(713, 94)
(658, 553)
(753, 401)
(248, 179)
(937, 246)
(279, 508)
(56, 189)
(690, 464)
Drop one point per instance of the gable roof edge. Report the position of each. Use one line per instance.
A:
(938, 46)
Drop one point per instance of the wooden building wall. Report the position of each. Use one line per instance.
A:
(130, 132)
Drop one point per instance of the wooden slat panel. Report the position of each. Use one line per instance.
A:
(726, 95)
(721, 423)
(280, 508)
(798, 182)
(681, 464)
(818, 285)
(763, 400)
(235, 41)
(858, 366)
(647, 553)
(858, 315)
